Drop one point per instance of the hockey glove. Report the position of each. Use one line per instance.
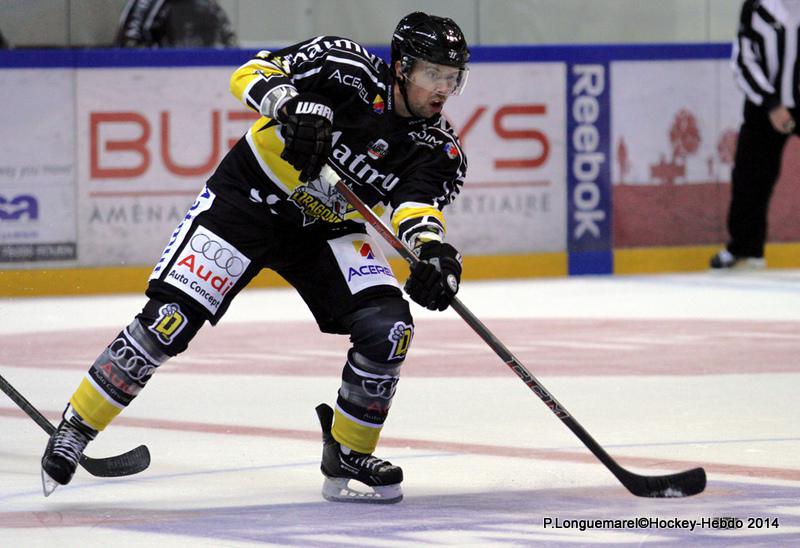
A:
(307, 124)
(435, 278)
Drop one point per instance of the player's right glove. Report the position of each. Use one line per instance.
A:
(434, 280)
(307, 122)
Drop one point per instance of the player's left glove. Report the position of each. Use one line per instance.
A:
(307, 123)
(434, 280)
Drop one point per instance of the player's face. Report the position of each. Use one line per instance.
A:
(428, 86)
(440, 78)
(425, 102)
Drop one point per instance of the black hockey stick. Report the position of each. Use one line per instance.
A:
(126, 464)
(682, 484)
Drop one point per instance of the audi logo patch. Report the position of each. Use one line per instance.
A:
(207, 268)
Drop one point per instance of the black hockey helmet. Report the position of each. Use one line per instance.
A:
(437, 40)
(432, 38)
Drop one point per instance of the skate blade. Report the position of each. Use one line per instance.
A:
(339, 490)
(48, 484)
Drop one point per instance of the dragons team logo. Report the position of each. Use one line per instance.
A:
(364, 249)
(319, 202)
(400, 336)
(169, 323)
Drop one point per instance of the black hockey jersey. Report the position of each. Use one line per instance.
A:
(415, 166)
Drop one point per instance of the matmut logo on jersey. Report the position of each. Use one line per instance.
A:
(207, 268)
(361, 262)
(358, 168)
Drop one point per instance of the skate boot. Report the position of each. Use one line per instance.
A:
(64, 450)
(726, 260)
(341, 464)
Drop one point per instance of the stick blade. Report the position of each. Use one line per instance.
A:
(134, 461)
(683, 484)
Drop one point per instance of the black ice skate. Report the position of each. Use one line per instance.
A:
(340, 465)
(64, 450)
(726, 260)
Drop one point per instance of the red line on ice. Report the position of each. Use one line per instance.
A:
(578, 456)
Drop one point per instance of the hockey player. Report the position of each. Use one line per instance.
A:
(379, 126)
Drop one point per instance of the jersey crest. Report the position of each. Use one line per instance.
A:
(319, 201)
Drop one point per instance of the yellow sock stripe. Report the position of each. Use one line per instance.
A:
(92, 406)
(358, 437)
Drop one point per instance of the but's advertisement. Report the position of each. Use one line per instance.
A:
(570, 150)
(148, 138)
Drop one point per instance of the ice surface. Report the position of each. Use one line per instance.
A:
(667, 372)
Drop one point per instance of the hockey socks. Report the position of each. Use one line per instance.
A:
(340, 465)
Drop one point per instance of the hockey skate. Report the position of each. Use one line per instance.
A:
(64, 450)
(726, 260)
(341, 465)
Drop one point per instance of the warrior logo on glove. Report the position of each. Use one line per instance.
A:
(306, 107)
(307, 122)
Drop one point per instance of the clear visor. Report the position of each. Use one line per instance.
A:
(440, 78)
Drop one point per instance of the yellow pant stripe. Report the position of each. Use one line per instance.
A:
(357, 437)
(92, 406)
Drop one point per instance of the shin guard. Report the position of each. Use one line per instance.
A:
(364, 401)
(117, 376)
(381, 332)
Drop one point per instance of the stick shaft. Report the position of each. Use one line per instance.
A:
(483, 332)
(27, 406)
(628, 479)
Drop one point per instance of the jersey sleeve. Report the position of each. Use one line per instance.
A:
(750, 60)
(263, 83)
(418, 204)
(269, 78)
